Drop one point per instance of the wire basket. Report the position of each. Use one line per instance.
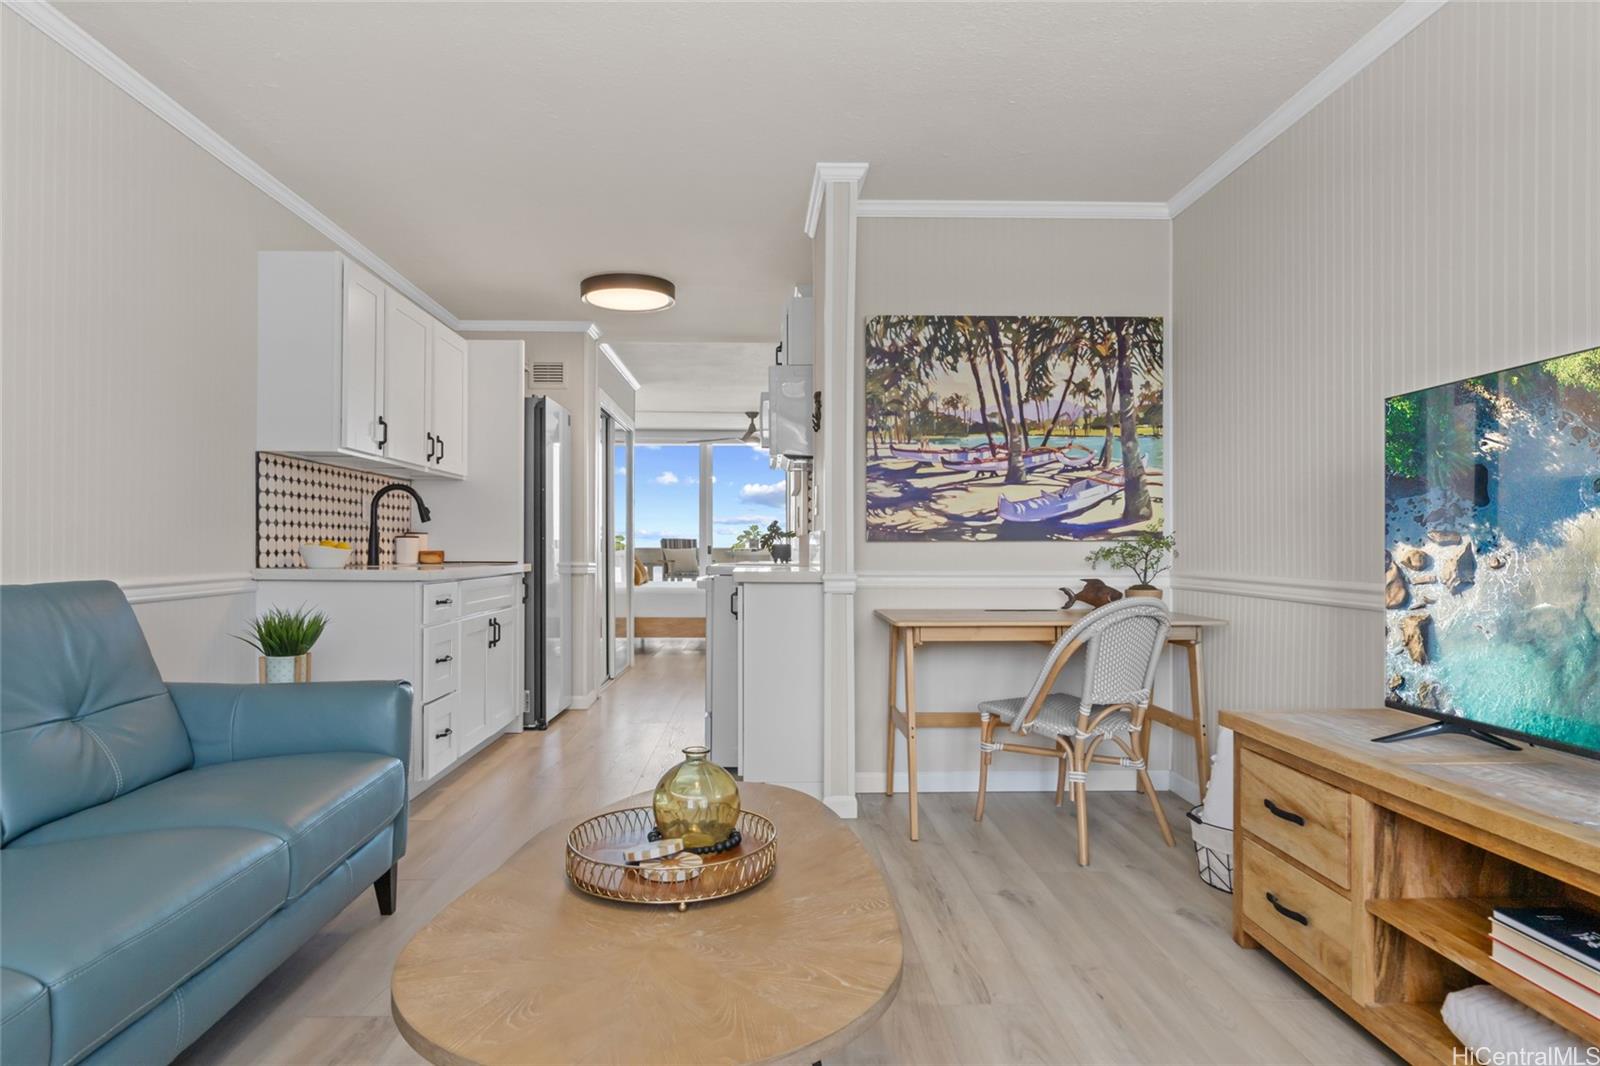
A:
(1213, 850)
(595, 863)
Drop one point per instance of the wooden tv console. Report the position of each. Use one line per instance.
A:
(1370, 869)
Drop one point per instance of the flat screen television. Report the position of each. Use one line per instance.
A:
(1492, 561)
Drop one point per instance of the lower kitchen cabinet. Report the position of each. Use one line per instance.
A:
(459, 644)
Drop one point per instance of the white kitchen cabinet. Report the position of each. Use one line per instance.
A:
(407, 334)
(346, 370)
(458, 642)
(447, 401)
(363, 360)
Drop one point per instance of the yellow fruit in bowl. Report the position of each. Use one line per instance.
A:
(327, 543)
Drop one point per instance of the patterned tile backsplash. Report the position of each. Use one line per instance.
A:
(300, 502)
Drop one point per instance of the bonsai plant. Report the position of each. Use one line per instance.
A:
(285, 638)
(1144, 555)
(775, 539)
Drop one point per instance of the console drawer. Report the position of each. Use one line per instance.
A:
(1306, 819)
(441, 654)
(1299, 912)
(438, 737)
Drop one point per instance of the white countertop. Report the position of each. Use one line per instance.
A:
(440, 572)
(775, 572)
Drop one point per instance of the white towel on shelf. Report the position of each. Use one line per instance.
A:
(1489, 1022)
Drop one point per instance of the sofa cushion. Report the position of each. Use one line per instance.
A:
(24, 1019)
(111, 925)
(83, 711)
(323, 806)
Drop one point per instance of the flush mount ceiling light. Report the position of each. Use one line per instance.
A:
(629, 292)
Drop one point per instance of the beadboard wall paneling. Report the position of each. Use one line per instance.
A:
(1437, 217)
(127, 424)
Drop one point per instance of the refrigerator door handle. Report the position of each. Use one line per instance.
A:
(733, 602)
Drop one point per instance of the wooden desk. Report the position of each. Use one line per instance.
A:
(524, 968)
(910, 629)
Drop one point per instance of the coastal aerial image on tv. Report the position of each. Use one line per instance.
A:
(1492, 573)
(1013, 428)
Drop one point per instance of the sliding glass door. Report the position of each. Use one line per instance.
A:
(617, 543)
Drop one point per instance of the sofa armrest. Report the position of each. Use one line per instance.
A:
(231, 722)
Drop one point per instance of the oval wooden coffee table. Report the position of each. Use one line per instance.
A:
(524, 968)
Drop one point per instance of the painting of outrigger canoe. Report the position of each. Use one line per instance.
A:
(1013, 428)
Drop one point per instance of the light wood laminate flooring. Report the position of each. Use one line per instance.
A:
(1013, 953)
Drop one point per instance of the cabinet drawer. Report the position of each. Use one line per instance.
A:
(438, 737)
(490, 594)
(441, 602)
(1306, 819)
(1299, 912)
(441, 661)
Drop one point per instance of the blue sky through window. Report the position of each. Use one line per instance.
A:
(666, 492)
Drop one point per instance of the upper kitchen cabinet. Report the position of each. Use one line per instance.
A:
(350, 371)
(447, 402)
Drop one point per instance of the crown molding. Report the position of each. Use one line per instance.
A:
(618, 365)
(1036, 209)
(825, 173)
(524, 325)
(69, 35)
(1378, 40)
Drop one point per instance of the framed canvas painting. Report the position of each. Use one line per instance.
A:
(1019, 428)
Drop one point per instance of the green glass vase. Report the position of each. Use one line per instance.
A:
(697, 801)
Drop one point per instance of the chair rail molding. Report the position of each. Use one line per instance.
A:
(49, 20)
(1349, 595)
(1071, 209)
(977, 579)
(196, 587)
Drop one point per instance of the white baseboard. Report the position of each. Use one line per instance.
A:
(1106, 779)
(843, 806)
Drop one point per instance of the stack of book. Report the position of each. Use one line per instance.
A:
(1557, 948)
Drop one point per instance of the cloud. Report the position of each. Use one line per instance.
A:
(763, 493)
(666, 477)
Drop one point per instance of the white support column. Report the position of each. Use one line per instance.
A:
(831, 223)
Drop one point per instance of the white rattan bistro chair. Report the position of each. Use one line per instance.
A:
(1121, 644)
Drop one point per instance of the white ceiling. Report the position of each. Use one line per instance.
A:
(693, 376)
(496, 153)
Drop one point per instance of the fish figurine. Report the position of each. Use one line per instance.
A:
(1095, 593)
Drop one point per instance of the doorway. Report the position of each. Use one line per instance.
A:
(617, 541)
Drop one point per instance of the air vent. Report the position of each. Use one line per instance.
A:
(547, 376)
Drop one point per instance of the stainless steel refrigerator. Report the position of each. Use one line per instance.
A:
(548, 547)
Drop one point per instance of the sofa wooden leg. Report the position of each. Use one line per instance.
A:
(386, 887)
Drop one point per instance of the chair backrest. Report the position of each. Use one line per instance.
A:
(682, 561)
(1122, 644)
(84, 714)
(677, 542)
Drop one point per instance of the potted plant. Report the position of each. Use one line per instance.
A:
(1144, 555)
(775, 539)
(284, 638)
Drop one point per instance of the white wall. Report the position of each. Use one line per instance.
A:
(990, 267)
(127, 413)
(1437, 217)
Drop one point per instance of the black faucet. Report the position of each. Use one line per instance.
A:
(372, 527)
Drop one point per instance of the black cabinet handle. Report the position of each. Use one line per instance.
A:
(1293, 916)
(440, 459)
(447, 601)
(383, 424)
(431, 439)
(733, 603)
(1288, 816)
(445, 659)
(441, 736)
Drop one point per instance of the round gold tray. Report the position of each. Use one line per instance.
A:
(595, 864)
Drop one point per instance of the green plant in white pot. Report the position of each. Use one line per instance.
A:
(1144, 555)
(285, 638)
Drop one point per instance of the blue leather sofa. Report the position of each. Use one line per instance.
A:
(165, 847)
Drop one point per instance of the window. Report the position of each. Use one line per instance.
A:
(666, 493)
(745, 492)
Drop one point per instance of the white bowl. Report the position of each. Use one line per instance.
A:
(319, 557)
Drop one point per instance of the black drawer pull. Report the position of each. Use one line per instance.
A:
(447, 601)
(1288, 816)
(1293, 916)
(430, 447)
(444, 659)
(441, 736)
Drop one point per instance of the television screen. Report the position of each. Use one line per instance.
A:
(1492, 568)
